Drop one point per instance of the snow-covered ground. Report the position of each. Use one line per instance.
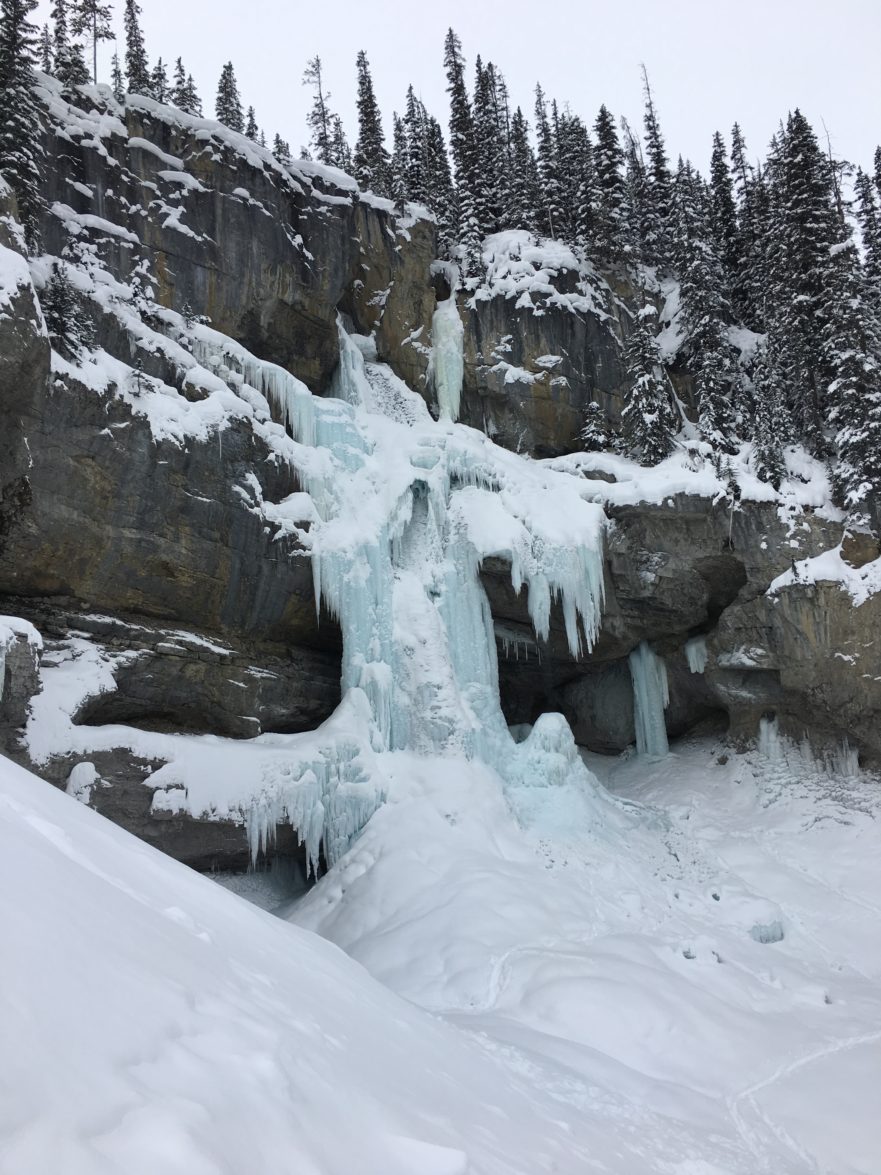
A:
(559, 989)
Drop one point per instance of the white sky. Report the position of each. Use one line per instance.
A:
(710, 62)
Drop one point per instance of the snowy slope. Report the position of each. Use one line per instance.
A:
(706, 949)
(603, 1011)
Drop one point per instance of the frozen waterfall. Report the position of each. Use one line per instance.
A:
(650, 699)
(407, 510)
(447, 365)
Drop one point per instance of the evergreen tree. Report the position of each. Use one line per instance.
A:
(870, 229)
(282, 151)
(415, 158)
(137, 67)
(117, 79)
(637, 208)
(46, 50)
(319, 118)
(647, 420)
(609, 217)
(21, 149)
(464, 159)
(251, 129)
(340, 151)
(852, 357)
(703, 310)
(659, 206)
(159, 87)
(91, 18)
(550, 210)
(803, 234)
(370, 160)
(523, 189)
(596, 435)
(228, 105)
(400, 163)
(70, 329)
(441, 193)
(724, 213)
(772, 428)
(183, 91)
(70, 65)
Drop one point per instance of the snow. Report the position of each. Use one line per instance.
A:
(577, 994)
(689, 470)
(830, 567)
(524, 267)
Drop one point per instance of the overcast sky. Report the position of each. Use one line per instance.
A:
(710, 61)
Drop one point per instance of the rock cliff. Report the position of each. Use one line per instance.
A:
(152, 542)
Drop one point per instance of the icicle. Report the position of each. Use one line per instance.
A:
(650, 699)
(696, 654)
(447, 364)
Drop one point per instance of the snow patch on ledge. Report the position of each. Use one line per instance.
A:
(830, 567)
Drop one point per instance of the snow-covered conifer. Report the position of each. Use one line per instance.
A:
(608, 228)
(159, 87)
(550, 210)
(70, 64)
(21, 149)
(282, 151)
(370, 159)
(117, 78)
(659, 206)
(522, 190)
(228, 105)
(320, 117)
(647, 420)
(45, 49)
(252, 130)
(91, 19)
(137, 66)
(596, 435)
(70, 329)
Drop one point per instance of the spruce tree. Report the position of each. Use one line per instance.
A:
(771, 425)
(340, 151)
(370, 160)
(46, 50)
(637, 208)
(183, 91)
(851, 346)
(724, 212)
(137, 67)
(659, 205)
(441, 193)
(70, 329)
(462, 148)
(91, 19)
(70, 65)
(416, 164)
(869, 220)
(647, 420)
(159, 87)
(596, 435)
(399, 164)
(803, 234)
(609, 218)
(523, 190)
(703, 310)
(117, 79)
(228, 105)
(319, 118)
(21, 149)
(252, 130)
(550, 210)
(282, 151)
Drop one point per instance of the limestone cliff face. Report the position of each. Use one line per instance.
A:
(151, 544)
